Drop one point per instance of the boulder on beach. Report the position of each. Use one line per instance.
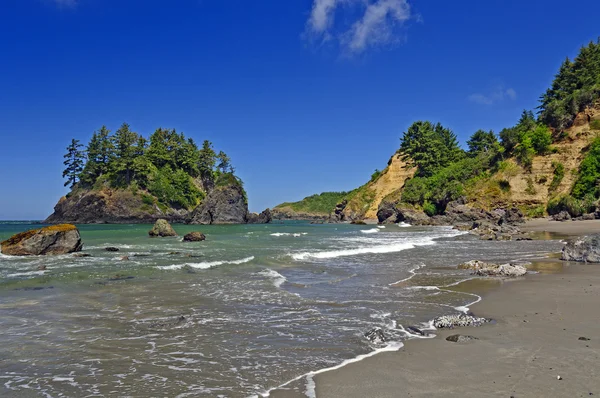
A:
(162, 228)
(489, 269)
(584, 249)
(459, 338)
(194, 237)
(458, 320)
(55, 239)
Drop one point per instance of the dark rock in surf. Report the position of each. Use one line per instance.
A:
(459, 338)
(194, 237)
(82, 255)
(376, 336)
(111, 249)
(416, 330)
(583, 249)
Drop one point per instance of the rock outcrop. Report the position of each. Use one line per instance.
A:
(458, 320)
(162, 228)
(223, 205)
(56, 239)
(583, 249)
(113, 206)
(194, 237)
(265, 217)
(460, 338)
(489, 269)
(287, 213)
(376, 336)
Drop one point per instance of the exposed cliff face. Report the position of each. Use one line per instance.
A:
(110, 206)
(223, 205)
(530, 189)
(365, 203)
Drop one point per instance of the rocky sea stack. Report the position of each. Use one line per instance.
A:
(56, 239)
(162, 228)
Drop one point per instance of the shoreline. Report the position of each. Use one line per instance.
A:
(523, 353)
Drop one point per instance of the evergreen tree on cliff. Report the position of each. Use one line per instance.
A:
(125, 153)
(430, 147)
(74, 160)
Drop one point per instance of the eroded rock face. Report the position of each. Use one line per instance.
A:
(263, 218)
(223, 205)
(56, 239)
(162, 228)
(458, 320)
(583, 249)
(194, 237)
(489, 269)
(110, 206)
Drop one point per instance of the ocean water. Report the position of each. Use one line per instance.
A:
(252, 308)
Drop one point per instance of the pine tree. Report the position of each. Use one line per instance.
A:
(206, 164)
(125, 151)
(74, 160)
(224, 163)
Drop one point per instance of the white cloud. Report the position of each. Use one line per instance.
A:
(497, 95)
(376, 23)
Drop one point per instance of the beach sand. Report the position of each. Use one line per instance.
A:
(536, 339)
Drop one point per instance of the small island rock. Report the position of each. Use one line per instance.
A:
(162, 228)
(55, 239)
(194, 237)
(583, 249)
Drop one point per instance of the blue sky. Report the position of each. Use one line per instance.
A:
(304, 95)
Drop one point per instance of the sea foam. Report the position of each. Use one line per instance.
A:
(389, 248)
(370, 231)
(207, 264)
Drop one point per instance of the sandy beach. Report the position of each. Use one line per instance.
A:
(545, 341)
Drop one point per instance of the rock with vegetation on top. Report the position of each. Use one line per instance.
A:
(194, 237)
(263, 218)
(162, 228)
(458, 320)
(56, 239)
(489, 269)
(583, 249)
(223, 205)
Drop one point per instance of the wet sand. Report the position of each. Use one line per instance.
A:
(538, 346)
(566, 228)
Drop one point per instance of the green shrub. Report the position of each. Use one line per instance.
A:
(559, 173)
(589, 173)
(504, 185)
(147, 199)
(429, 209)
(535, 212)
(530, 190)
(595, 124)
(375, 175)
(575, 207)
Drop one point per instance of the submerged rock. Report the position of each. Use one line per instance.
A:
(111, 249)
(56, 239)
(489, 269)
(376, 336)
(162, 228)
(79, 255)
(194, 237)
(458, 320)
(459, 338)
(583, 249)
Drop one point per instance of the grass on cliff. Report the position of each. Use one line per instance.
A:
(323, 203)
